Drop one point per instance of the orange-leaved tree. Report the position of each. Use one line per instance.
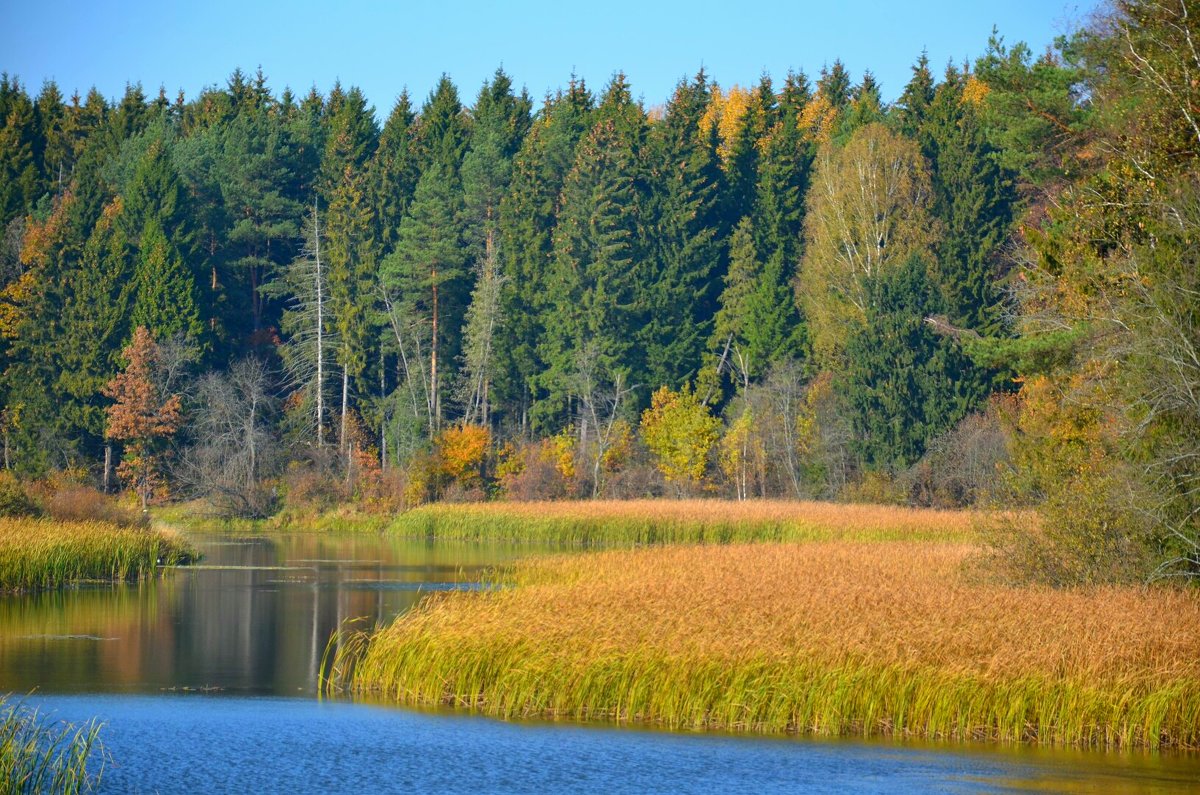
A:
(141, 416)
(461, 450)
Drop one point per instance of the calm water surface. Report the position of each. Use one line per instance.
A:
(206, 682)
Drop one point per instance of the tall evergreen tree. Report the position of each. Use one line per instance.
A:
(903, 383)
(593, 284)
(974, 198)
(443, 133)
(683, 230)
(20, 181)
(426, 287)
(394, 172)
(165, 300)
(528, 216)
(912, 107)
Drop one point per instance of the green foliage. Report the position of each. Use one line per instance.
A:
(903, 383)
(594, 281)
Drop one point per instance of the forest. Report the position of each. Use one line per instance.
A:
(984, 293)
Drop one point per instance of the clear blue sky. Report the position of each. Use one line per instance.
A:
(383, 46)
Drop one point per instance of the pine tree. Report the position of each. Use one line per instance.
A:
(425, 283)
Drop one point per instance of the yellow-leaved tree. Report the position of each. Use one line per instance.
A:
(680, 431)
(868, 211)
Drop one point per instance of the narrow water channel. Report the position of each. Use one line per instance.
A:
(206, 682)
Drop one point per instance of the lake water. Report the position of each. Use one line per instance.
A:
(206, 682)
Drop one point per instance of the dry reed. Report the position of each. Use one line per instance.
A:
(41, 553)
(831, 638)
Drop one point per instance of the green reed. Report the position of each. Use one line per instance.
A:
(38, 554)
(39, 755)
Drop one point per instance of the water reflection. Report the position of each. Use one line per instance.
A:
(254, 617)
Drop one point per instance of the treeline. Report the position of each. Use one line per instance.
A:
(979, 292)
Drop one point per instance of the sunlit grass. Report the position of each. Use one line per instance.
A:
(681, 521)
(841, 637)
(42, 553)
(38, 754)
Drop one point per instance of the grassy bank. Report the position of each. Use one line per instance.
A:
(679, 521)
(44, 553)
(39, 755)
(842, 637)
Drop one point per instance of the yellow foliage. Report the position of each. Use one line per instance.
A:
(561, 451)
(461, 450)
(975, 91)
(725, 112)
(818, 119)
(679, 430)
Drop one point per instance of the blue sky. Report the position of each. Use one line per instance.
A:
(383, 46)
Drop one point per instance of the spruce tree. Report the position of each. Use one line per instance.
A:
(20, 181)
(394, 172)
(165, 300)
(903, 383)
(592, 323)
(974, 198)
(678, 295)
(528, 215)
(912, 107)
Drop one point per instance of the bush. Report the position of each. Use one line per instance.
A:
(542, 470)
(72, 502)
(14, 500)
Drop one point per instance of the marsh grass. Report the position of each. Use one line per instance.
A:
(40, 755)
(624, 522)
(847, 637)
(43, 553)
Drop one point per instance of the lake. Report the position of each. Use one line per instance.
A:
(206, 681)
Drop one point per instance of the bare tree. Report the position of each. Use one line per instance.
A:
(234, 447)
(601, 396)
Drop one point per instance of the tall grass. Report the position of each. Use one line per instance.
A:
(829, 638)
(38, 755)
(42, 553)
(680, 521)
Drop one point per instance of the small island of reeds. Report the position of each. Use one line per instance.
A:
(38, 553)
(864, 633)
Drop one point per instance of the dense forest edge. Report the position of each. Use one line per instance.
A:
(981, 294)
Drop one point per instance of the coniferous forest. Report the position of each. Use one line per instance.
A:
(981, 293)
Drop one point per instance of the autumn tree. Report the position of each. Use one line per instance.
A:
(868, 212)
(141, 416)
(680, 431)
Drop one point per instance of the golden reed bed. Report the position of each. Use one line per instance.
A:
(825, 637)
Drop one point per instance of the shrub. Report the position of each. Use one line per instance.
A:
(14, 500)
